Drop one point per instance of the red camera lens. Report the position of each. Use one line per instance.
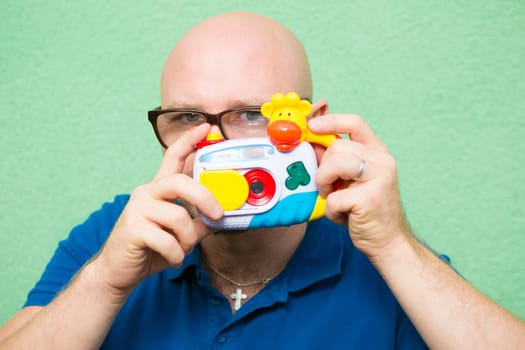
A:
(261, 185)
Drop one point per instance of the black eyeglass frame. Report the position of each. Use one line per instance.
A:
(214, 119)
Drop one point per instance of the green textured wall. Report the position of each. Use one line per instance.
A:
(442, 82)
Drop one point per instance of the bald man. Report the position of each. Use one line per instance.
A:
(144, 272)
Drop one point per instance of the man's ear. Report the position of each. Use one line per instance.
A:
(320, 107)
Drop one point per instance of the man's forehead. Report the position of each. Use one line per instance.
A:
(235, 80)
(237, 62)
(227, 103)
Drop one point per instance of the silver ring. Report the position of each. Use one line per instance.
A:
(361, 170)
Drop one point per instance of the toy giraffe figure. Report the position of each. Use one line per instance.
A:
(288, 126)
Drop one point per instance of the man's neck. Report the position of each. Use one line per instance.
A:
(252, 254)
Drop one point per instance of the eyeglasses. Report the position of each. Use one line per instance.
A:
(234, 123)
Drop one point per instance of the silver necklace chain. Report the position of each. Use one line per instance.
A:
(239, 296)
(245, 284)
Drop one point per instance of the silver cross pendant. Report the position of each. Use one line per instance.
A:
(238, 296)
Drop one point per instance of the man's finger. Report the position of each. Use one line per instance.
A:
(176, 154)
(344, 160)
(181, 186)
(348, 124)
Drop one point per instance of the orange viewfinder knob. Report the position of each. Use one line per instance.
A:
(211, 138)
(284, 134)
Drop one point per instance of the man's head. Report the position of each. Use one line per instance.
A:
(234, 59)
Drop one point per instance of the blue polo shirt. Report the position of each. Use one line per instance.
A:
(329, 296)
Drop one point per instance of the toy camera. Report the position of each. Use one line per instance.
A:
(257, 185)
(265, 182)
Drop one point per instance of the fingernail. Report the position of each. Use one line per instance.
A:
(217, 213)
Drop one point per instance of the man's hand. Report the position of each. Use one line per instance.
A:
(370, 205)
(153, 231)
(151, 234)
(436, 299)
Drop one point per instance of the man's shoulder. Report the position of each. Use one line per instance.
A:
(109, 211)
(332, 243)
(82, 243)
(93, 232)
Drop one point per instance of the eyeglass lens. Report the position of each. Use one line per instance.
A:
(234, 124)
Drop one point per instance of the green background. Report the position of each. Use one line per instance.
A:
(441, 82)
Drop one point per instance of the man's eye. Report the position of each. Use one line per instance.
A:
(252, 117)
(187, 118)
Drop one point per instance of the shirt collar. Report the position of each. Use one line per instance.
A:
(318, 257)
(192, 260)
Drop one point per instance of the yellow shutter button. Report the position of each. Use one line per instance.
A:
(229, 187)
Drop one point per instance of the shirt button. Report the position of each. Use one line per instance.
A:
(216, 300)
(221, 339)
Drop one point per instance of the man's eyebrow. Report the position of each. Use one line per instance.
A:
(179, 105)
(229, 104)
(251, 102)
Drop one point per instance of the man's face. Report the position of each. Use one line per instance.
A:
(228, 65)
